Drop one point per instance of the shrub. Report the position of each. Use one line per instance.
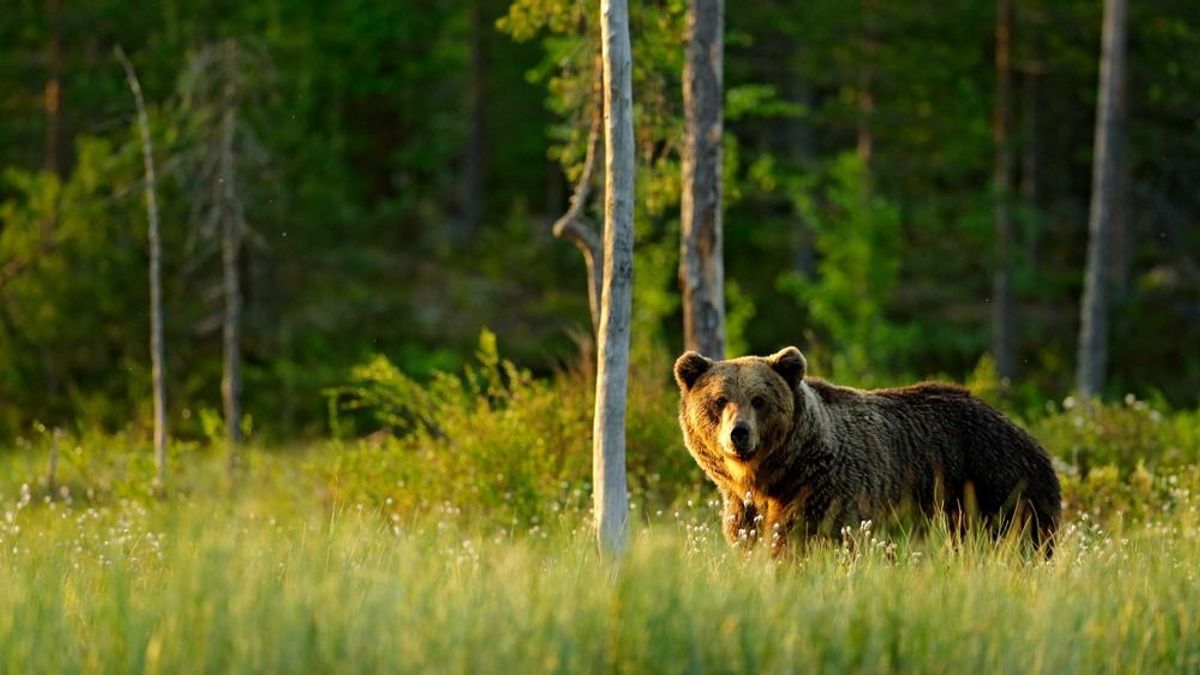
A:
(1125, 434)
(496, 442)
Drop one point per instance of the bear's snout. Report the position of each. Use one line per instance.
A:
(741, 439)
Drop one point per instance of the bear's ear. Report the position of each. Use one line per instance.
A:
(790, 365)
(689, 368)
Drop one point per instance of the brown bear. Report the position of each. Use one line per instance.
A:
(792, 454)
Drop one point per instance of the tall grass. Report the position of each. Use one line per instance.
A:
(458, 541)
(212, 586)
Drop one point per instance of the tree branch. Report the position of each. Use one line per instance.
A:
(575, 227)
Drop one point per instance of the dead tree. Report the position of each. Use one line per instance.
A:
(610, 499)
(231, 247)
(157, 374)
(1110, 119)
(219, 84)
(1003, 305)
(701, 266)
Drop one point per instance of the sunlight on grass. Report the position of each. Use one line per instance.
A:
(211, 587)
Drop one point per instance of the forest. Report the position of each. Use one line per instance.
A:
(308, 313)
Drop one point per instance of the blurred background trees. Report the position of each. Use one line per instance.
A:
(419, 158)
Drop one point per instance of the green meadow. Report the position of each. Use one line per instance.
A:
(323, 559)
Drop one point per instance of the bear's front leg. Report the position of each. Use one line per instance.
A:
(776, 528)
(740, 520)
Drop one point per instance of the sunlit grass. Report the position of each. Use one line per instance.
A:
(213, 585)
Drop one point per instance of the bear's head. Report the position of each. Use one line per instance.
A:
(741, 409)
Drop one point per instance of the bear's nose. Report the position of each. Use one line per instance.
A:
(740, 435)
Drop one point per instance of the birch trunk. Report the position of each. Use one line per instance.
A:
(157, 374)
(231, 241)
(610, 501)
(1093, 333)
(701, 266)
(1003, 319)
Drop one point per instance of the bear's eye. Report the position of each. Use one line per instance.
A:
(758, 402)
(720, 403)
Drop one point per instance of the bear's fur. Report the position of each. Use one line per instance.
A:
(792, 454)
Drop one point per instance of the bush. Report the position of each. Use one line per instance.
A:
(1142, 496)
(496, 443)
(1125, 434)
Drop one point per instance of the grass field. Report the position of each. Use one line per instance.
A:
(253, 580)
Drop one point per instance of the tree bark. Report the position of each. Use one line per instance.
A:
(865, 146)
(157, 372)
(701, 265)
(610, 499)
(1123, 238)
(475, 162)
(231, 242)
(1030, 186)
(1110, 118)
(1003, 317)
(52, 95)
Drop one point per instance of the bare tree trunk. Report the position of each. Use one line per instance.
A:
(1110, 119)
(1123, 237)
(610, 499)
(1003, 317)
(865, 147)
(701, 265)
(474, 165)
(52, 95)
(231, 242)
(157, 374)
(52, 466)
(1030, 150)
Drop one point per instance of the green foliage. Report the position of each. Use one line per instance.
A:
(858, 240)
(361, 243)
(497, 443)
(739, 310)
(1126, 434)
(63, 316)
(1109, 495)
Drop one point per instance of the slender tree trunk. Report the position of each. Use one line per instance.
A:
(610, 499)
(157, 373)
(1123, 237)
(474, 166)
(231, 242)
(1030, 153)
(52, 95)
(1003, 312)
(701, 265)
(1093, 334)
(865, 147)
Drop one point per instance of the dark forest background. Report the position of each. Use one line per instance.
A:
(400, 165)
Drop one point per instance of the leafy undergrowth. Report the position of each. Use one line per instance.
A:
(220, 585)
(496, 445)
